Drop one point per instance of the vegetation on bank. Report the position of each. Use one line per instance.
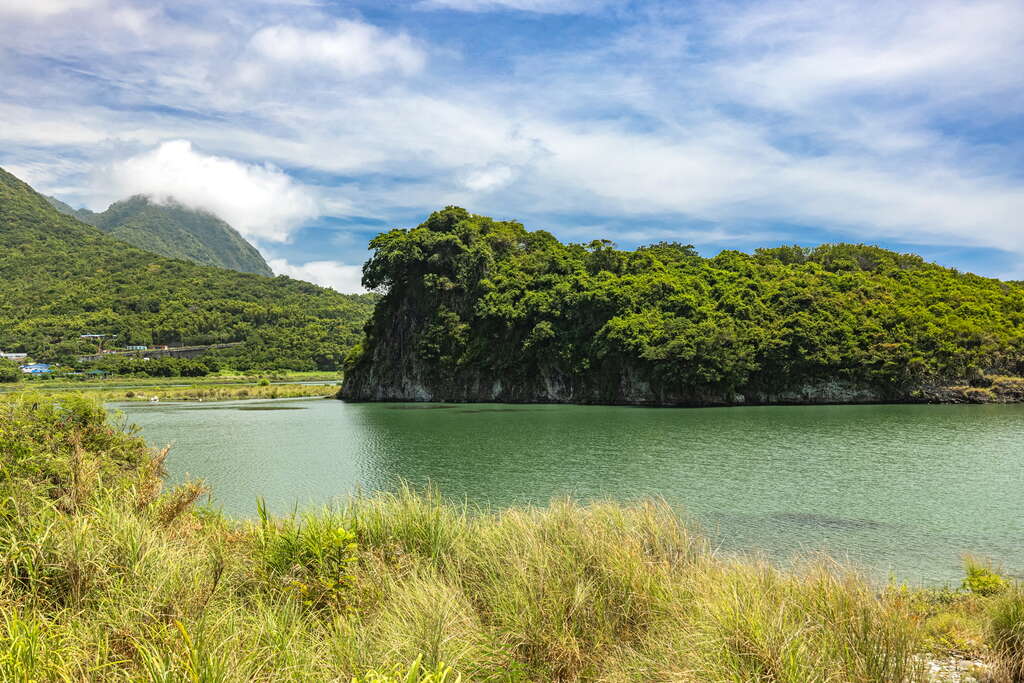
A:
(210, 391)
(105, 575)
(60, 278)
(58, 381)
(218, 392)
(475, 308)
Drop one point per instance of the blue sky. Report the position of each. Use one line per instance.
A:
(311, 126)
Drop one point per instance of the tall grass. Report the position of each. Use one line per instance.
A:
(105, 576)
(1007, 633)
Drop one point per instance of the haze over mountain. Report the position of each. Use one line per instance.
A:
(61, 278)
(174, 230)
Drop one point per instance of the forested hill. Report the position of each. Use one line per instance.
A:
(60, 278)
(173, 230)
(477, 309)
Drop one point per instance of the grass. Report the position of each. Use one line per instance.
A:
(104, 575)
(195, 392)
(226, 377)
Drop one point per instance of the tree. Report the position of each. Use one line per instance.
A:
(9, 371)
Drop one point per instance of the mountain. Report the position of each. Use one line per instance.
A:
(61, 278)
(174, 230)
(484, 310)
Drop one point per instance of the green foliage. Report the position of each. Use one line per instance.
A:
(473, 301)
(1006, 637)
(312, 555)
(414, 673)
(9, 371)
(60, 278)
(981, 578)
(156, 367)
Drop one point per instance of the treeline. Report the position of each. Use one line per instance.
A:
(484, 309)
(60, 278)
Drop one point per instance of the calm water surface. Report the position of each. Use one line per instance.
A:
(901, 490)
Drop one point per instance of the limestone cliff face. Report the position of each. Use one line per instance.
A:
(394, 370)
(554, 387)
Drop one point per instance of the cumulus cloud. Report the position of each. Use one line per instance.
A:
(260, 201)
(488, 178)
(338, 276)
(350, 48)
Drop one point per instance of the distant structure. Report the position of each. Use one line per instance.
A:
(13, 356)
(158, 351)
(36, 369)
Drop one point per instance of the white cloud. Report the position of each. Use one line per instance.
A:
(337, 276)
(540, 6)
(791, 54)
(489, 178)
(350, 48)
(260, 201)
(44, 9)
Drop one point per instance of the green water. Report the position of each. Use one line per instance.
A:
(901, 490)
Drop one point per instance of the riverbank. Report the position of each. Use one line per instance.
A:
(80, 382)
(105, 576)
(174, 389)
(632, 392)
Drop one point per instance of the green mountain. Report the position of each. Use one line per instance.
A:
(484, 310)
(175, 231)
(61, 278)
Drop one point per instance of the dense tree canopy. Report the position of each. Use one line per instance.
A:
(9, 371)
(60, 278)
(469, 301)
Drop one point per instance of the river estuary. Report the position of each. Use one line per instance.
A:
(900, 490)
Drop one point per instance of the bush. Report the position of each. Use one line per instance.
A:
(9, 371)
(312, 556)
(981, 578)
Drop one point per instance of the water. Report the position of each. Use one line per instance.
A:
(899, 490)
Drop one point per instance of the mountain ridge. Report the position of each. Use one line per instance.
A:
(61, 278)
(174, 230)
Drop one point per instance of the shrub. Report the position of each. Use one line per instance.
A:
(981, 579)
(9, 371)
(313, 556)
(416, 673)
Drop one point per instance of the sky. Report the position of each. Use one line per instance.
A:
(312, 126)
